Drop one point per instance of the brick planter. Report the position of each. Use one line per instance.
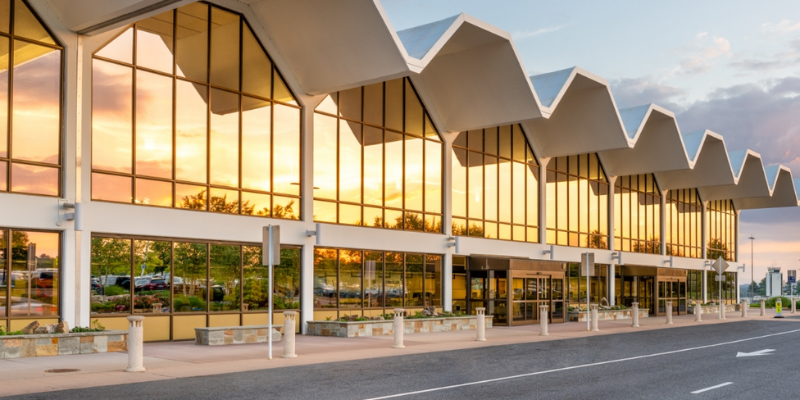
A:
(385, 327)
(221, 336)
(606, 315)
(60, 344)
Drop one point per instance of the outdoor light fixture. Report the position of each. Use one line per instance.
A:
(551, 251)
(69, 216)
(669, 261)
(317, 233)
(451, 241)
(617, 255)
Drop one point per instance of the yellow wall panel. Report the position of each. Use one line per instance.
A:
(324, 315)
(18, 324)
(255, 319)
(156, 329)
(223, 320)
(183, 326)
(113, 323)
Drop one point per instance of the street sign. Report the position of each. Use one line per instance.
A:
(719, 278)
(778, 308)
(792, 279)
(792, 275)
(271, 245)
(720, 265)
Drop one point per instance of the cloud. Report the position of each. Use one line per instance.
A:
(700, 58)
(782, 60)
(519, 35)
(631, 92)
(701, 34)
(785, 26)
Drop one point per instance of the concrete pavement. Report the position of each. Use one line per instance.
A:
(173, 360)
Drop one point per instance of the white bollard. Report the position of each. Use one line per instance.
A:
(698, 312)
(722, 308)
(595, 318)
(289, 322)
(763, 307)
(635, 315)
(794, 306)
(481, 311)
(743, 305)
(398, 329)
(669, 312)
(135, 344)
(543, 320)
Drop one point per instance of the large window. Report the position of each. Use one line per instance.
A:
(728, 287)
(577, 202)
(377, 159)
(495, 185)
(721, 230)
(637, 214)
(140, 275)
(684, 222)
(189, 112)
(356, 281)
(29, 275)
(30, 103)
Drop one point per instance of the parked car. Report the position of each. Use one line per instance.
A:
(156, 284)
(138, 283)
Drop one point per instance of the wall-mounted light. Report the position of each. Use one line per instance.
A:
(669, 261)
(317, 233)
(551, 251)
(617, 255)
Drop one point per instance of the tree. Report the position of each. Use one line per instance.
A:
(716, 249)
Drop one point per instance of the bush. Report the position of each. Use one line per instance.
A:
(113, 291)
(3, 332)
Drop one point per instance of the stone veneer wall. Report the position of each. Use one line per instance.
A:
(715, 309)
(607, 315)
(386, 327)
(25, 346)
(235, 335)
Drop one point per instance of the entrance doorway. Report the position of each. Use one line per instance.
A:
(528, 293)
(672, 290)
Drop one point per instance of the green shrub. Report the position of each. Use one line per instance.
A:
(113, 291)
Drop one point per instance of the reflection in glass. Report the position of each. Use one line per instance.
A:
(325, 280)
(190, 281)
(120, 48)
(224, 278)
(34, 179)
(225, 201)
(153, 125)
(567, 195)
(152, 263)
(256, 144)
(414, 280)
(393, 280)
(191, 137)
(192, 44)
(154, 42)
(111, 188)
(256, 78)
(28, 26)
(224, 138)
(286, 139)
(224, 49)
(35, 127)
(350, 293)
(349, 162)
(34, 273)
(191, 197)
(153, 193)
(3, 175)
(112, 111)
(3, 97)
(111, 276)
(373, 279)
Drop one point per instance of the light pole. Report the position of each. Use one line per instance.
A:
(752, 269)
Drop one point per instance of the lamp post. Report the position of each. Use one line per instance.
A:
(752, 269)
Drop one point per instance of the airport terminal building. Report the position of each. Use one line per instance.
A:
(144, 145)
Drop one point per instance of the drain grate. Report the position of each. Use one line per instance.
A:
(61, 371)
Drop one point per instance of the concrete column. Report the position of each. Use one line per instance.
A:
(398, 328)
(704, 284)
(135, 344)
(635, 315)
(481, 311)
(543, 315)
(447, 221)
(698, 312)
(289, 323)
(543, 199)
(595, 318)
(447, 281)
(722, 308)
(663, 219)
(794, 305)
(669, 312)
(743, 305)
(611, 285)
(763, 307)
(611, 282)
(306, 287)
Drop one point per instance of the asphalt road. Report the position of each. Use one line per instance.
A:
(660, 364)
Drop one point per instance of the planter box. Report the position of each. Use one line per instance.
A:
(59, 344)
(715, 309)
(386, 327)
(221, 336)
(606, 315)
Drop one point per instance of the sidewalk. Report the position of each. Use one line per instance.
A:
(170, 360)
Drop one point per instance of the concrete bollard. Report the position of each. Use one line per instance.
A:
(763, 307)
(398, 329)
(289, 323)
(669, 312)
(698, 312)
(635, 315)
(595, 318)
(135, 344)
(794, 305)
(543, 320)
(743, 306)
(481, 311)
(722, 308)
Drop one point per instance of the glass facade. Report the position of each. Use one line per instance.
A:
(353, 282)
(577, 285)
(694, 285)
(495, 185)
(721, 230)
(637, 214)
(173, 278)
(377, 159)
(577, 202)
(684, 220)
(30, 103)
(189, 112)
(29, 275)
(729, 287)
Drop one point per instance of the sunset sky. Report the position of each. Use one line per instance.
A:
(729, 66)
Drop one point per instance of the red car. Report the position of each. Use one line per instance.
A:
(156, 284)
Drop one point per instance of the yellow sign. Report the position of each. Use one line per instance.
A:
(778, 308)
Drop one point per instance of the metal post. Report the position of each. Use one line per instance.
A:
(635, 315)
(595, 318)
(669, 312)
(135, 344)
(289, 323)
(481, 311)
(543, 320)
(398, 328)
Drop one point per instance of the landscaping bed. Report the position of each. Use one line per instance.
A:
(714, 309)
(27, 343)
(236, 335)
(577, 315)
(385, 327)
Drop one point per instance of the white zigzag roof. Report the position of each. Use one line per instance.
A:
(470, 76)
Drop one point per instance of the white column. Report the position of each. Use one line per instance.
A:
(663, 218)
(763, 307)
(289, 322)
(398, 328)
(543, 199)
(306, 287)
(703, 242)
(704, 277)
(743, 304)
(481, 328)
(135, 344)
(543, 315)
(698, 312)
(307, 211)
(611, 282)
(669, 312)
(447, 222)
(595, 317)
(635, 315)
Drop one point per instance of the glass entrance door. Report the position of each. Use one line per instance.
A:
(530, 293)
(674, 291)
(646, 294)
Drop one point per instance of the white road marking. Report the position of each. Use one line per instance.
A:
(764, 352)
(581, 366)
(712, 387)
